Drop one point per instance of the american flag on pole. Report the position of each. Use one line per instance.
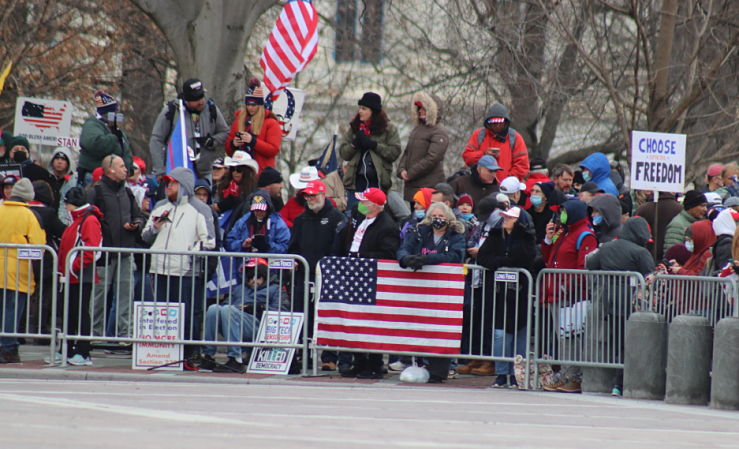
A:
(375, 304)
(177, 150)
(291, 45)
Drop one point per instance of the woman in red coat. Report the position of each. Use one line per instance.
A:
(255, 130)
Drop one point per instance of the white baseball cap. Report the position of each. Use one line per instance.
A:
(301, 179)
(511, 185)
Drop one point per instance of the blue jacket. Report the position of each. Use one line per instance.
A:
(599, 166)
(420, 241)
(269, 297)
(278, 234)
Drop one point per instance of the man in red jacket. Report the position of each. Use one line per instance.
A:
(502, 142)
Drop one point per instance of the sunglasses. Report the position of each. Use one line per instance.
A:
(240, 168)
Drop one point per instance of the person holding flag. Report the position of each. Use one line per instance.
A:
(205, 132)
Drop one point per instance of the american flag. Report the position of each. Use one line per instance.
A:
(42, 116)
(375, 304)
(291, 45)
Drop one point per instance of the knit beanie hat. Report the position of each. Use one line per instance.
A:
(76, 197)
(465, 199)
(423, 197)
(693, 198)
(371, 100)
(18, 140)
(254, 92)
(192, 90)
(269, 176)
(105, 103)
(23, 189)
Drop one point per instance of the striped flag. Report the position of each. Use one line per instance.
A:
(291, 45)
(375, 304)
(177, 150)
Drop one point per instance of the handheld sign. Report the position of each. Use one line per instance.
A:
(657, 161)
(42, 121)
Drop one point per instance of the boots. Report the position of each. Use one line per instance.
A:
(484, 369)
(466, 369)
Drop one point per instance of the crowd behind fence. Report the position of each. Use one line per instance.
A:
(568, 317)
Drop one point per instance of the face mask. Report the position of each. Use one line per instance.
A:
(586, 176)
(563, 217)
(362, 209)
(466, 217)
(689, 246)
(420, 214)
(20, 156)
(536, 201)
(598, 220)
(438, 223)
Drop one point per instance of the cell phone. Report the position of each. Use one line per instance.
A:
(164, 216)
(239, 134)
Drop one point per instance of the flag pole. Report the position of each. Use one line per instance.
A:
(183, 136)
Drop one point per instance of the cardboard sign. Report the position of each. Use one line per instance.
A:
(42, 121)
(657, 161)
(158, 321)
(287, 108)
(276, 327)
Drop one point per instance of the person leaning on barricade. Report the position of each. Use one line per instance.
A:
(438, 238)
(18, 225)
(569, 238)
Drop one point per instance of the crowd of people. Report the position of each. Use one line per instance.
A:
(502, 209)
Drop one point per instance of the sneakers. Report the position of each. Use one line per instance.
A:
(9, 356)
(121, 348)
(572, 386)
(56, 361)
(231, 366)
(553, 387)
(79, 360)
(396, 366)
(466, 369)
(369, 374)
(452, 373)
(328, 366)
(616, 391)
(207, 363)
(501, 381)
(484, 369)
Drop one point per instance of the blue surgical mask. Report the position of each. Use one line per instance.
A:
(536, 200)
(689, 246)
(420, 214)
(466, 217)
(586, 176)
(598, 220)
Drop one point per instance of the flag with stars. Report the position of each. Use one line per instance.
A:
(375, 304)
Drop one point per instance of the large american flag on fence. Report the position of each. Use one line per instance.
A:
(375, 304)
(291, 45)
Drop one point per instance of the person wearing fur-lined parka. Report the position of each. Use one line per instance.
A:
(422, 162)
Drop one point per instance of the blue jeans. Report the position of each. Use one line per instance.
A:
(505, 341)
(233, 324)
(12, 309)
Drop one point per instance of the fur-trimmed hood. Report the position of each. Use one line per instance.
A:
(432, 103)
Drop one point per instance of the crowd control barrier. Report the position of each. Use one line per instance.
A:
(674, 295)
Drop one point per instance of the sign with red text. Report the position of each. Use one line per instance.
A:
(42, 121)
(158, 322)
(658, 161)
(276, 327)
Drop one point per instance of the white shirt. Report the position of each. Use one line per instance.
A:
(359, 235)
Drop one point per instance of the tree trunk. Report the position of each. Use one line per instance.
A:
(660, 82)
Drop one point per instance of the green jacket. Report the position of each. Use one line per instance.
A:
(675, 232)
(387, 152)
(98, 141)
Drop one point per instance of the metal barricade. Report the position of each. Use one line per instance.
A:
(28, 292)
(581, 316)
(673, 295)
(220, 291)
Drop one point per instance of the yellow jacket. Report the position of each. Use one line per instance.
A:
(18, 225)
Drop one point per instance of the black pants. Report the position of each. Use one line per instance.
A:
(79, 316)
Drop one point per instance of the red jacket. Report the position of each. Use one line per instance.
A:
(514, 163)
(564, 254)
(267, 145)
(291, 210)
(85, 230)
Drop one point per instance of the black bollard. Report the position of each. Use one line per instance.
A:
(725, 376)
(646, 356)
(689, 348)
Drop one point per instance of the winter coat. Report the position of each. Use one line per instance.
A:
(266, 145)
(473, 186)
(35, 172)
(335, 190)
(703, 238)
(514, 161)
(423, 158)
(18, 225)
(667, 207)
(217, 128)
(119, 207)
(381, 240)
(98, 141)
(675, 232)
(541, 220)
(610, 208)
(599, 166)
(292, 209)
(85, 231)
(278, 234)
(724, 227)
(382, 157)
(314, 234)
(515, 250)
(57, 183)
(263, 296)
(420, 241)
(184, 229)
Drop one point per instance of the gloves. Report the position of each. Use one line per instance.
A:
(365, 142)
(206, 142)
(260, 243)
(414, 262)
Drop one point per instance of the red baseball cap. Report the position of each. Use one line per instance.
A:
(97, 174)
(314, 187)
(373, 194)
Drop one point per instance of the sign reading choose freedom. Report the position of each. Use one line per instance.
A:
(657, 161)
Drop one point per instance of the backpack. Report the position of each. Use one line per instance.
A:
(511, 137)
(172, 108)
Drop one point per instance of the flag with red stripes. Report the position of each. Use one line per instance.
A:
(375, 304)
(291, 45)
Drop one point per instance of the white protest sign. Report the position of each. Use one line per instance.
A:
(71, 142)
(658, 161)
(158, 321)
(276, 327)
(287, 108)
(42, 121)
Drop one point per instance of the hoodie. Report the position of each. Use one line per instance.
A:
(723, 226)
(599, 166)
(610, 208)
(85, 231)
(578, 239)
(271, 235)
(703, 238)
(628, 252)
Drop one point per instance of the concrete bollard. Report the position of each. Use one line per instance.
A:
(598, 380)
(725, 376)
(689, 348)
(646, 356)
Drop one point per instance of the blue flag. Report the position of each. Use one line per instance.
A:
(177, 150)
